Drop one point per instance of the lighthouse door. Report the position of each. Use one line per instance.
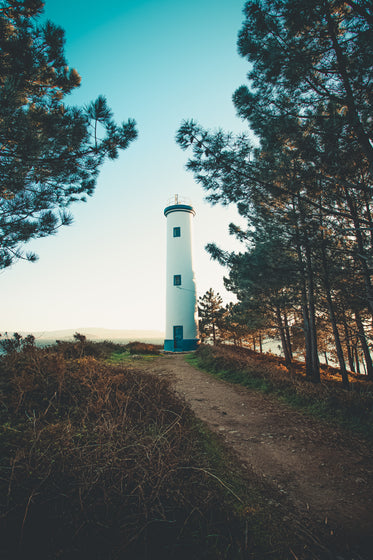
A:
(178, 337)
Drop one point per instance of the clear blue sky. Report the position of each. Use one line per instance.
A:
(159, 62)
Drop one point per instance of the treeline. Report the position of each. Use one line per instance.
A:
(304, 183)
(78, 347)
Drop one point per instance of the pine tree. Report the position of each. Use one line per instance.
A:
(210, 312)
(245, 323)
(50, 153)
(264, 279)
(309, 103)
(310, 61)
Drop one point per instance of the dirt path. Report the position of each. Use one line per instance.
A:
(326, 475)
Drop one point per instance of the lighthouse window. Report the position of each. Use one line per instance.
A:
(176, 232)
(177, 280)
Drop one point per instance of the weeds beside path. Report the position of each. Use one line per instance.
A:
(324, 475)
(101, 461)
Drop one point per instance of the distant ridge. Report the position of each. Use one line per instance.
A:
(93, 333)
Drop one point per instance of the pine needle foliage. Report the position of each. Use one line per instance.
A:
(50, 152)
(304, 181)
(210, 313)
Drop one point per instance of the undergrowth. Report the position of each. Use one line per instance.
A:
(105, 462)
(143, 348)
(352, 409)
(133, 353)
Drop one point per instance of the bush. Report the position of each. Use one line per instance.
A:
(144, 348)
(83, 347)
(102, 462)
(352, 408)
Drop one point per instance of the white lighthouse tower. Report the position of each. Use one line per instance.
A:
(181, 297)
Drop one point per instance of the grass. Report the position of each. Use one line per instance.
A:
(250, 499)
(134, 352)
(328, 401)
(104, 461)
(126, 358)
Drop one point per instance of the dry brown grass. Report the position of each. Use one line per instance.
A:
(102, 462)
(144, 348)
(353, 408)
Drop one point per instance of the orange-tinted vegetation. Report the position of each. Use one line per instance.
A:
(143, 348)
(101, 462)
(352, 407)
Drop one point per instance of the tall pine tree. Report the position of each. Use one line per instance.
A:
(210, 312)
(50, 153)
(309, 102)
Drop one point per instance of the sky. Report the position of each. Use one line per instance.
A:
(159, 62)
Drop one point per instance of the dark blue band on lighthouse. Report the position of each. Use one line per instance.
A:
(179, 208)
(184, 345)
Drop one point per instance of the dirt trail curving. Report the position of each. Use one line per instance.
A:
(326, 475)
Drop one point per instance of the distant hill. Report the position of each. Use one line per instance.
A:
(94, 334)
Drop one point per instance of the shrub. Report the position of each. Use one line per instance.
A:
(83, 347)
(102, 462)
(16, 343)
(352, 408)
(143, 348)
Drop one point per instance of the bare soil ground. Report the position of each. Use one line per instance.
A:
(324, 475)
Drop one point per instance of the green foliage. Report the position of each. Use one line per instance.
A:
(81, 347)
(16, 343)
(305, 184)
(210, 313)
(51, 153)
(311, 68)
(239, 325)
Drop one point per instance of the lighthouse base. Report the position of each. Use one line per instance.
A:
(184, 345)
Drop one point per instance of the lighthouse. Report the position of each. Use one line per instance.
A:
(181, 297)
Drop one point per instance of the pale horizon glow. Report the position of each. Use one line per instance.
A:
(159, 62)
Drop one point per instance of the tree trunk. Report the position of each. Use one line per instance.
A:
(304, 305)
(348, 344)
(338, 345)
(312, 315)
(213, 333)
(361, 253)
(364, 345)
(287, 334)
(333, 320)
(312, 369)
(368, 214)
(365, 368)
(284, 345)
(357, 359)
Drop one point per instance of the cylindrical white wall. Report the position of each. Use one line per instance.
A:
(181, 298)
